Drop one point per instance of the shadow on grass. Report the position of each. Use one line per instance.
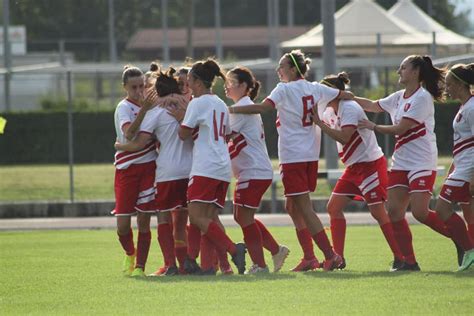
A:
(348, 274)
(219, 278)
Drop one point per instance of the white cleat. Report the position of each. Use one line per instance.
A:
(280, 257)
(255, 269)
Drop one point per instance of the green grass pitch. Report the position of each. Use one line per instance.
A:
(78, 273)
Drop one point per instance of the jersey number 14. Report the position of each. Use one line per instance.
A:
(218, 127)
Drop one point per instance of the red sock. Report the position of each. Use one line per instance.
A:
(322, 241)
(219, 238)
(180, 252)
(387, 230)
(306, 243)
(338, 234)
(207, 251)
(127, 243)
(220, 257)
(470, 231)
(143, 247)
(165, 238)
(402, 234)
(194, 240)
(435, 223)
(458, 231)
(268, 241)
(253, 241)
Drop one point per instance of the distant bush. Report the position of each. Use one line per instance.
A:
(60, 104)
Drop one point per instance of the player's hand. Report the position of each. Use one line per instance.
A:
(177, 112)
(366, 124)
(118, 145)
(315, 115)
(149, 100)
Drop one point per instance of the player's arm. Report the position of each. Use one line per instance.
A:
(256, 108)
(343, 136)
(345, 95)
(178, 113)
(131, 130)
(135, 145)
(399, 129)
(368, 105)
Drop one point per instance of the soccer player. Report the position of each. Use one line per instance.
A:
(134, 174)
(252, 169)
(413, 171)
(211, 170)
(459, 80)
(298, 150)
(366, 166)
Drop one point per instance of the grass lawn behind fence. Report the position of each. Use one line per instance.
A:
(78, 272)
(96, 182)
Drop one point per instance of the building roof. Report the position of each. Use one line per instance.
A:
(410, 13)
(148, 39)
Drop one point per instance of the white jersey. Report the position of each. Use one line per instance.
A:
(175, 158)
(463, 150)
(299, 139)
(362, 147)
(210, 154)
(248, 150)
(416, 148)
(125, 113)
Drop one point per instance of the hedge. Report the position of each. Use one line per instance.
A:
(40, 137)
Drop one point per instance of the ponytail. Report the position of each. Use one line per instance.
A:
(338, 81)
(243, 74)
(207, 71)
(430, 76)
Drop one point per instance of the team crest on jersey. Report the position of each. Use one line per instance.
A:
(407, 107)
(422, 182)
(458, 117)
(373, 195)
(448, 191)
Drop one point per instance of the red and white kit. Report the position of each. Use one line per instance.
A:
(299, 139)
(211, 160)
(456, 186)
(366, 168)
(415, 157)
(174, 161)
(135, 171)
(250, 162)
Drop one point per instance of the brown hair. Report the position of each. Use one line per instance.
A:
(130, 71)
(207, 71)
(243, 74)
(297, 59)
(166, 83)
(464, 73)
(430, 76)
(338, 81)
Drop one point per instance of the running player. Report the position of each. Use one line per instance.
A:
(366, 166)
(252, 169)
(459, 80)
(211, 170)
(134, 174)
(413, 171)
(298, 150)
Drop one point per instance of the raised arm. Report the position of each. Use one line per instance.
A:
(131, 130)
(135, 145)
(368, 105)
(256, 108)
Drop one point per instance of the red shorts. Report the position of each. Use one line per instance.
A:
(415, 181)
(171, 195)
(134, 189)
(299, 178)
(207, 190)
(249, 193)
(366, 179)
(456, 191)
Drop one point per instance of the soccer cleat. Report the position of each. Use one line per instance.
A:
(255, 269)
(460, 253)
(227, 270)
(191, 266)
(210, 271)
(342, 266)
(128, 265)
(306, 265)
(467, 261)
(280, 257)
(409, 267)
(172, 270)
(239, 258)
(333, 263)
(396, 264)
(138, 273)
(159, 272)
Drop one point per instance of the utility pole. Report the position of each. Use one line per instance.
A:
(290, 20)
(328, 8)
(189, 31)
(112, 47)
(7, 53)
(217, 20)
(164, 28)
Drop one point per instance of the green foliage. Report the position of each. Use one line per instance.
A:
(78, 273)
(60, 104)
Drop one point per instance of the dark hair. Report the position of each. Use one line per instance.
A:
(338, 81)
(430, 76)
(154, 66)
(297, 59)
(130, 71)
(183, 70)
(464, 73)
(166, 83)
(243, 74)
(206, 71)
